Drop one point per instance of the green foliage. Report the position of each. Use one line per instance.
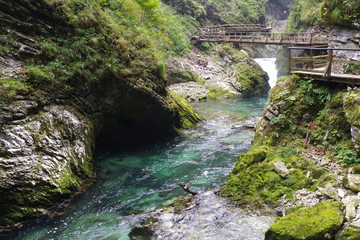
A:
(110, 38)
(320, 116)
(281, 121)
(306, 13)
(343, 12)
(346, 157)
(161, 67)
(11, 86)
(312, 94)
(254, 181)
(192, 8)
(235, 11)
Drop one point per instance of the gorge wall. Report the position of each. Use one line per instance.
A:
(305, 154)
(69, 75)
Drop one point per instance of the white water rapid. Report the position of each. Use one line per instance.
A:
(268, 65)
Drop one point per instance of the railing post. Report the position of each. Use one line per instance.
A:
(311, 65)
(327, 72)
(289, 60)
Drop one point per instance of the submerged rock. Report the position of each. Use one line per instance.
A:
(207, 216)
(319, 222)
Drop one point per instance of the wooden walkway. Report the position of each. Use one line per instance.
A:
(258, 34)
(322, 63)
(326, 64)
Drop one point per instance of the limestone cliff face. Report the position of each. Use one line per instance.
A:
(222, 73)
(56, 101)
(45, 155)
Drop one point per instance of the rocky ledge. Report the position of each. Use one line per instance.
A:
(224, 73)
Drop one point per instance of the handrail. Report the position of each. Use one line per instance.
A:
(310, 48)
(329, 67)
(264, 38)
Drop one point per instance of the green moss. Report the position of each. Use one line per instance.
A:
(319, 222)
(187, 117)
(254, 181)
(323, 13)
(351, 100)
(9, 87)
(348, 233)
(244, 160)
(252, 78)
(219, 93)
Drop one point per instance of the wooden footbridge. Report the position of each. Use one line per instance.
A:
(321, 62)
(258, 34)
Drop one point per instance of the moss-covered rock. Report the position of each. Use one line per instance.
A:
(320, 222)
(186, 115)
(225, 72)
(254, 181)
(302, 120)
(348, 233)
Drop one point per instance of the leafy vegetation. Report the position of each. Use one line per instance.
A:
(323, 13)
(11, 86)
(306, 120)
(235, 11)
(124, 39)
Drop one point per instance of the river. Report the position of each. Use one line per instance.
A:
(132, 184)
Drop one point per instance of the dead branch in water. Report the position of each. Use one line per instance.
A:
(187, 189)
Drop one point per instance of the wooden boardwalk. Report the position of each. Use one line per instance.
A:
(322, 63)
(326, 64)
(258, 34)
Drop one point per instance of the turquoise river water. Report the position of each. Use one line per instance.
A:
(130, 184)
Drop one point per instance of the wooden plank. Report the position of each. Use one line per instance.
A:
(304, 70)
(345, 61)
(308, 59)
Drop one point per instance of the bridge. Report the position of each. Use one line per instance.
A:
(322, 63)
(258, 34)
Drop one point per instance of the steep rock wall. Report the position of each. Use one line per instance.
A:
(67, 77)
(45, 155)
(302, 151)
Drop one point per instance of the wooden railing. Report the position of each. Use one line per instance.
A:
(328, 64)
(307, 39)
(231, 28)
